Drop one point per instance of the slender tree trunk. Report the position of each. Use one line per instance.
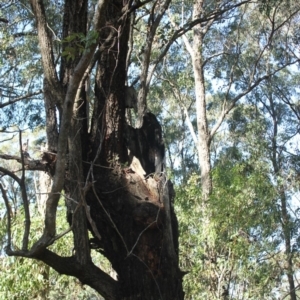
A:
(204, 139)
(285, 218)
(287, 240)
(202, 126)
(286, 229)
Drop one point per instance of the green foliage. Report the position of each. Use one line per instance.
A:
(267, 6)
(191, 238)
(21, 278)
(234, 240)
(21, 70)
(77, 43)
(26, 279)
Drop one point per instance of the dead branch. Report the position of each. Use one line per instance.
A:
(29, 164)
(26, 96)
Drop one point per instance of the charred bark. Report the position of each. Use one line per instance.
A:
(146, 144)
(123, 198)
(132, 219)
(131, 210)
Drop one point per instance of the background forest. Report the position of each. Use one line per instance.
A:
(223, 78)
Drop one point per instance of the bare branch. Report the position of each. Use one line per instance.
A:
(8, 139)
(10, 174)
(153, 23)
(88, 274)
(21, 34)
(8, 214)
(287, 101)
(137, 5)
(187, 27)
(242, 94)
(21, 183)
(29, 95)
(46, 46)
(29, 164)
(3, 20)
(176, 93)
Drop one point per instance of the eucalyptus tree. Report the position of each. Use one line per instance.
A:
(78, 59)
(123, 198)
(230, 59)
(109, 173)
(232, 53)
(251, 249)
(278, 99)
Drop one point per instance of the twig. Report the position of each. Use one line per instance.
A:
(138, 238)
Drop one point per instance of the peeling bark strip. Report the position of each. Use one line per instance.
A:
(135, 218)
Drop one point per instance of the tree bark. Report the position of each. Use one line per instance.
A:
(285, 217)
(106, 188)
(133, 214)
(204, 138)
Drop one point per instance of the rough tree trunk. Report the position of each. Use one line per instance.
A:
(132, 212)
(114, 182)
